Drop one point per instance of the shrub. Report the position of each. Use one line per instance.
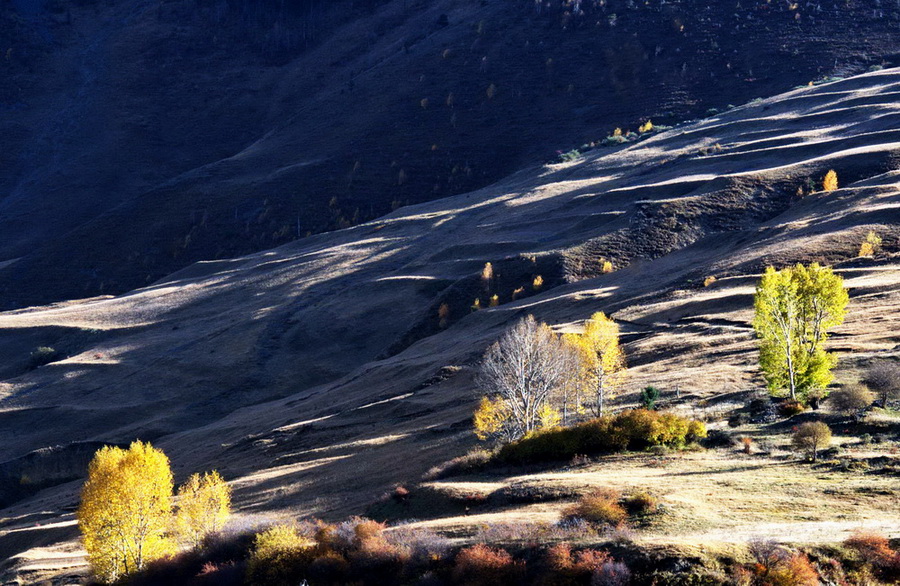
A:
(480, 565)
(638, 429)
(601, 507)
(871, 245)
(375, 560)
(611, 574)
(470, 462)
(777, 566)
(851, 398)
(279, 556)
(811, 438)
(649, 397)
(641, 503)
(329, 568)
(794, 571)
(873, 549)
(884, 378)
(423, 545)
(443, 315)
(561, 566)
(788, 409)
(42, 355)
(588, 561)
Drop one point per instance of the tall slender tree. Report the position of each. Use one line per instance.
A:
(603, 362)
(795, 308)
(523, 369)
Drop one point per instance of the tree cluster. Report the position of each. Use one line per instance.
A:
(533, 378)
(125, 515)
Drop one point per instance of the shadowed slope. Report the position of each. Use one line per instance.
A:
(141, 136)
(317, 374)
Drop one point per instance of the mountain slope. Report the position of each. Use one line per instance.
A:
(142, 136)
(306, 373)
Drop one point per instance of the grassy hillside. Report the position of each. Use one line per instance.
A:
(307, 372)
(143, 136)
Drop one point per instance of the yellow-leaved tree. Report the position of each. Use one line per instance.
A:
(602, 360)
(491, 419)
(125, 511)
(830, 182)
(204, 505)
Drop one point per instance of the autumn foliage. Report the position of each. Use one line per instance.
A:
(480, 565)
(629, 430)
(204, 505)
(125, 510)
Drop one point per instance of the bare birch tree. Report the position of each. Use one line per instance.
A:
(524, 368)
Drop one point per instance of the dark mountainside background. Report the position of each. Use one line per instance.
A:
(139, 136)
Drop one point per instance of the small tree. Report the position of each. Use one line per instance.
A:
(204, 505)
(603, 362)
(443, 315)
(830, 182)
(884, 379)
(852, 399)
(871, 245)
(492, 419)
(795, 308)
(811, 438)
(523, 369)
(649, 397)
(487, 274)
(125, 510)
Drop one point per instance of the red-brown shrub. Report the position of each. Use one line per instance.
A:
(480, 565)
(377, 561)
(794, 571)
(589, 560)
(777, 566)
(791, 408)
(563, 567)
(367, 529)
(871, 547)
(875, 549)
(601, 507)
(558, 558)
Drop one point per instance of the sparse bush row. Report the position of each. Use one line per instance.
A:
(363, 552)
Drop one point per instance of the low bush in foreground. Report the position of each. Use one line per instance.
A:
(878, 555)
(638, 429)
(600, 507)
(363, 552)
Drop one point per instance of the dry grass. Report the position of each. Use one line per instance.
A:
(265, 367)
(715, 496)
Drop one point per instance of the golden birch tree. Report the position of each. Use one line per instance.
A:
(204, 505)
(125, 510)
(602, 360)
